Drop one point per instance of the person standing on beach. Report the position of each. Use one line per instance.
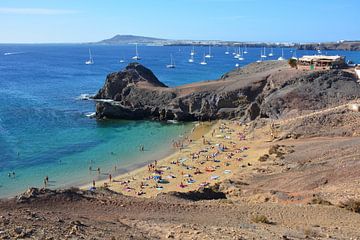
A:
(93, 183)
(110, 177)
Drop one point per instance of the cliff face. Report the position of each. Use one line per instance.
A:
(268, 89)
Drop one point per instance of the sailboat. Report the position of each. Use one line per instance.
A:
(90, 61)
(263, 55)
(282, 55)
(245, 52)
(294, 55)
(209, 54)
(122, 60)
(191, 59)
(192, 53)
(203, 62)
(237, 54)
(172, 64)
(271, 53)
(241, 57)
(227, 51)
(136, 57)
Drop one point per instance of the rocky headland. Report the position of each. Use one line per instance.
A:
(260, 90)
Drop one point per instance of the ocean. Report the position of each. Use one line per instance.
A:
(44, 128)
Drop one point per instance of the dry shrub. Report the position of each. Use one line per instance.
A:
(264, 158)
(260, 219)
(351, 205)
(321, 201)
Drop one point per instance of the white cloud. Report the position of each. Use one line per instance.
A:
(36, 11)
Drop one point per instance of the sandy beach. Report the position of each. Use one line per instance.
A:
(212, 153)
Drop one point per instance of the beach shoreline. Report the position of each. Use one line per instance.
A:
(193, 166)
(199, 129)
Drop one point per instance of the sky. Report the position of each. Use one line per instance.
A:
(72, 21)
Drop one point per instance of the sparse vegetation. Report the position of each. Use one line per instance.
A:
(321, 201)
(351, 205)
(264, 158)
(260, 219)
(292, 62)
(311, 233)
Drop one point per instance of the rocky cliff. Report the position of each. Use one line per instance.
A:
(269, 89)
(346, 45)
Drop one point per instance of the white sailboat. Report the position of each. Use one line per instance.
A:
(122, 60)
(237, 54)
(227, 51)
(282, 55)
(209, 54)
(91, 60)
(192, 53)
(191, 59)
(271, 53)
(294, 55)
(241, 57)
(203, 62)
(263, 55)
(245, 52)
(136, 57)
(172, 63)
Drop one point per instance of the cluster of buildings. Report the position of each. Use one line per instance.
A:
(321, 61)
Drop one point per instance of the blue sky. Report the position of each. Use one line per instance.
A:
(56, 21)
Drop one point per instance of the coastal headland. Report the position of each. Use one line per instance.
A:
(280, 160)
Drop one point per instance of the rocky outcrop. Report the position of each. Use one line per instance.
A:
(267, 89)
(309, 91)
(346, 45)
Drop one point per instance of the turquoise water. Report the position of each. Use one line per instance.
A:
(43, 126)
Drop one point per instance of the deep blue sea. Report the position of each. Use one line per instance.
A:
(44, 130)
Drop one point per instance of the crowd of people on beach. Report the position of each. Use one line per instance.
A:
(205, 164)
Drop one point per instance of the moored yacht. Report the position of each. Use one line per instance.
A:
(191, 59)
(91, 60)
(203, 62)
(209, 54)
(136, 57)
(282, 55)
(263, 54)
(271, 53)
(172, 63)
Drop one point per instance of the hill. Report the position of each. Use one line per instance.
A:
(130, 39)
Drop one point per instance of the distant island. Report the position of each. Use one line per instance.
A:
(132, 39)
(151, 41)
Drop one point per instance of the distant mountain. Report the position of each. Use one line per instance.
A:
(130, 39)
